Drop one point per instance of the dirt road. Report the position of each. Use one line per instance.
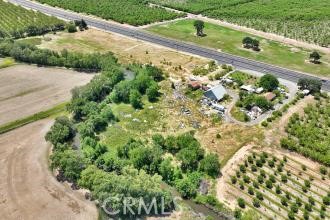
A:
(28, 191)
(26, 90)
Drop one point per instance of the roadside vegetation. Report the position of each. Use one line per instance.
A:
(18, 22)
(132, 12)
(279, 186)
(236, 42)
(28, 53)
(306, 20)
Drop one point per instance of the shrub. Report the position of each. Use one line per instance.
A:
(256, 202)
(269, 184)
(278, 189)
(284, 201)
(242, 168)
(238, 174)
(311, 200)
(254, 168)
(241, 185)
(323, 170)
(250, 190)
(326, 200)
(71, 27)
(233, 179)
(246, 179)
(259, 196)
(298, 202)
(255, 184)
(308, 207)
(291, 215)
(241, 203)
(307, 183)
(284, 178)
(272, 178)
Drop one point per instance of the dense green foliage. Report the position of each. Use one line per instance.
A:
(269, 82)
(134, 12)
(309, 134)
(18, 22)
(248, 100)
(306, 20)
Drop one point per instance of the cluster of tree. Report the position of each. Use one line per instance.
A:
(251, 43)
(131, 183)
(93, 166)
(313, 85)
(184, 169)
(31, 54)
(145, 82)
(309, 134)
(72, 26)
(248, 100)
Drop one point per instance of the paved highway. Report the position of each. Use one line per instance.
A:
(221, 57)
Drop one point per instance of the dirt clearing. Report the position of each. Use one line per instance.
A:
(26, 90)
(27, 188)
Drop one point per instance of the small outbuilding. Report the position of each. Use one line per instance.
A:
(270, 96)
(248, 88)
(216, 93)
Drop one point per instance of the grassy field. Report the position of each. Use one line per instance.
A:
(132, 12)
(306, 20)
(275, 185)
(38, 116)
(6, 62)
(230, 41)
(16, 20)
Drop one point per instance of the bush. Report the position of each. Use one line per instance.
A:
(71, 27)
(233, 179)
(323, 170)
(269, 82)
(269, 184)
(250, 190)
(256, 202)
(284, 201)
(241, 203)
(210, 165)
(246, 179)
(259, 196)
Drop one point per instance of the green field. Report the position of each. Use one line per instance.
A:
(230, 41)
(19, 22)
(132, 12)
(307, 20)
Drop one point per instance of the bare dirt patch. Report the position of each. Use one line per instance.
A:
(27, 188)
(26, 90)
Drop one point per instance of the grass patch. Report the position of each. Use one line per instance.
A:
(7, 62)
(239, 115)
(33, 41)
(38, 116)
(243, 78)
(230, 41)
